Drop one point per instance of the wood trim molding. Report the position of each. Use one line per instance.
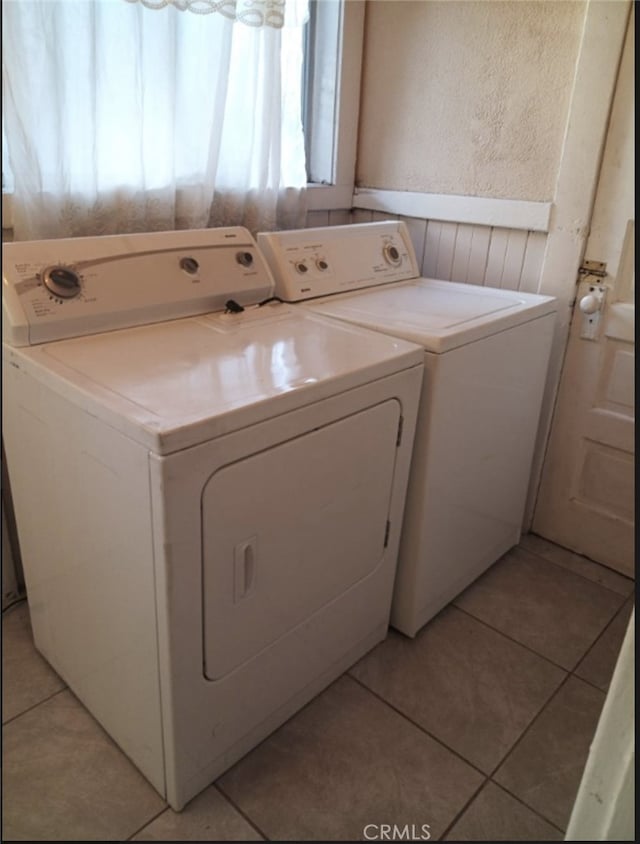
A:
(476, 210)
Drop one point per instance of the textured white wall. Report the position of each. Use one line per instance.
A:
(467, 97)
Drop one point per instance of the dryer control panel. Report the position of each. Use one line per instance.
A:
(55, 289)
(307, 263)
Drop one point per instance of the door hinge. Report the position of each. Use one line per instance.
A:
(595, 269)
(400, 427)
(386, 534)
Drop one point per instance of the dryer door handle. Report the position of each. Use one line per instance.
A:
(244, 568)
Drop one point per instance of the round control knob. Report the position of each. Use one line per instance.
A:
(62, 282)
(301, 267)
(391, 255)
(589, 304)
(245, 259)
(322, 265)
(189, 265)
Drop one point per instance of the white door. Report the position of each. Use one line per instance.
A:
(586, 496)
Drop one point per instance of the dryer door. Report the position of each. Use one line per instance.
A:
(290, 529)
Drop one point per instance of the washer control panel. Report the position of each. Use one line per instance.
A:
(308, 263)
(56, 289)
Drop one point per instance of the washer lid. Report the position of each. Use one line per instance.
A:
(174, 384)
(440, 315)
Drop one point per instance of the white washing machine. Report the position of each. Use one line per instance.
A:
(486, 354)
(208, 503)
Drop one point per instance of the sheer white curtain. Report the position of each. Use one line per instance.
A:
(123, 118)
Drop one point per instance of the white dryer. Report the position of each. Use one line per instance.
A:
(208, 503)
(486, 354)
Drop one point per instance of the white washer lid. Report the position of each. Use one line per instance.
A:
(174, 384)
(439, 315)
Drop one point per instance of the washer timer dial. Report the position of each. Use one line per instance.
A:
(62, 282)
(392, 255)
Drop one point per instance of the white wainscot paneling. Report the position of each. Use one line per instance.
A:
(484, 255)
(334, 217)
(383, 215)
(446, 249)
(506, 257)
(417, 232)
(361, 215)
(340, 217)
(317, 218)
(532, 265)
(478, 253)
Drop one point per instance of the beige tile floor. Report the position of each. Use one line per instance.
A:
(479, 727)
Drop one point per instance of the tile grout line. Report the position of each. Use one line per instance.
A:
(240, 811)
(457, 817)
(65, 688)
(487, 777)
(515, 641)
(567, 568)
(526, 806)
(418, 726)
(536, 653)
(529, 726)
(595, 642)
(150, 821)
(588, 683)
(517, 743)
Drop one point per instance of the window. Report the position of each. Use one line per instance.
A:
(320, 95)
(333, 59)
